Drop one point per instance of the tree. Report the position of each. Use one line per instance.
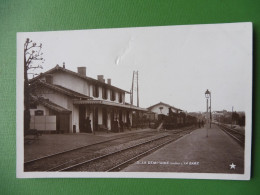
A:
(242, 120)
(235, 117)
(32, 60)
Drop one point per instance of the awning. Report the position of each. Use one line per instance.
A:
(107, 103)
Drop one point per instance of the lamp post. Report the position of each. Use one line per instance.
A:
(208, 96)
(231, 118)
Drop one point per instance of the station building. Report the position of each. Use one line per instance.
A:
(67, 101)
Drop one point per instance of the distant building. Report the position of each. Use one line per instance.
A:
(67, 101)
(172, 117)
(228, 117)
(163, 108)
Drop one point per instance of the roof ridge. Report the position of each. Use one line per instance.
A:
(62, 89)
(57, 67)
(164, 104)
(50, 104)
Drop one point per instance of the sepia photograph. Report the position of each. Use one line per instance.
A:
(144, 102)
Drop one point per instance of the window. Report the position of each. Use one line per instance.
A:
(38, 112)
(113, 95)
(95, 91)
(120, 98)
(161, 108)
(104, 93)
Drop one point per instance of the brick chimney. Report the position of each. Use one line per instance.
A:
(101, 78)
(109, 81)
(82, 70)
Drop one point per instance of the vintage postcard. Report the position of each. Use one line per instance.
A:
(146, 102)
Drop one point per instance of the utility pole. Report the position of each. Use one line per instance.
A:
(137, 89)
(132, 90)
(232, 117)
(134, 81)
(207, 110)
(210, 116)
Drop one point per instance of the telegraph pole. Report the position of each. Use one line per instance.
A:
(132, 89)
(134, 81)
(232, 117)
(137, 89)
(210, 116)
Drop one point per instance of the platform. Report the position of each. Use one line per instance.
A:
(195, 153)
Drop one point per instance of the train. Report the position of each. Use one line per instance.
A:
(170, 121)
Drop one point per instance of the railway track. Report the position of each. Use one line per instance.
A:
(236, 135)
(116, 160)
(110, 155)
(120, 166)
(47, 163)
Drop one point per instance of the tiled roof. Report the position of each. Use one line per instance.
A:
(58, 68)
(165, 105)
(60, 89)
(49, 104)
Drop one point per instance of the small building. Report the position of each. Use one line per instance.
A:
(67, 101)
(171, 116)
(163, 108)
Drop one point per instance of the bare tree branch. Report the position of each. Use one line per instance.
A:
(32, 53)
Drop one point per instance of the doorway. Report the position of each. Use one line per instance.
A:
(95, 122)
(82, 115)
(104, 117)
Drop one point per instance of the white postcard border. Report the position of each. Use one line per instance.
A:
(20, 142)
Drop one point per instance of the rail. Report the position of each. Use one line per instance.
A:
(236, 135)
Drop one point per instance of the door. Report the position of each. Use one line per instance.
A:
(95, 122)
(104, 116)
(112, 120)
(120, 116)
(82, 114)
(64, 122)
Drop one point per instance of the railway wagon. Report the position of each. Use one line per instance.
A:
(177, 120)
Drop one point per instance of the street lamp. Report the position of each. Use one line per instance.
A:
(208, 97)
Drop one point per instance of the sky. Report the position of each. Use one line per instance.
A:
(176, 64)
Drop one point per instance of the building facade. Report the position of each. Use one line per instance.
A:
(79, 103)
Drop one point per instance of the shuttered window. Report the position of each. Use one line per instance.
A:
(95, 91)
(113, 95)
(104, 93)
(120, 98)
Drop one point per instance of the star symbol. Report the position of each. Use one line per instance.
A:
(232, 166)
